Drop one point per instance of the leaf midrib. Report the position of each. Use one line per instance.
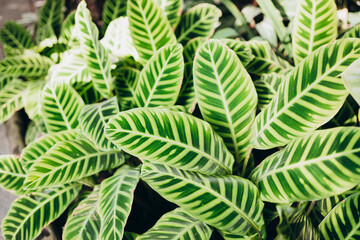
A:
(179, 144)
(192, 27)
(142, 11)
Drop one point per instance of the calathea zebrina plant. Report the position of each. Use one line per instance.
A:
(243, 143)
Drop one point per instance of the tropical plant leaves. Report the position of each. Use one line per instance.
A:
(38, 148)
(12, 175)
(71, 70)
(149, 28)
(351, 79)
(160, 80)
(173, 138)
(242, 50)
(69, 161)
(172, 10)
(31, 100)
(191, 47)
(199, 21)
(227, 98)
(187, 96)
(297, 111)
(266, 88)
(30, 64)
(178, 224)
(67, 35)
(98, 61)
(84, 222)
(310, 168)
(30, 213)
(88, 92)
(315, 25)
(343, 221)
(117, 40)
(126, 80)
(229, 203)
(4, 79)
(15, 36)
(113, 9)
(353, 32)
(116, 197)
(50, 20)
(60, 106)
(93, 119)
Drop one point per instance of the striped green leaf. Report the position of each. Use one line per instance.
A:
(68, 161)
(50, 20)
(226, 96)
(125, 83)
(84, 222)
(29, 214)
(32, 133)
(72, 69)
(172, 10)
(199, 21)
(229, 203)
(347, 115)
(60, 106)
(343, 222)
(93, 119)
(98, 61)
(88, 92)
(149, 28)
(266, 88)
(191, 47)
(15, 36)
(320, 165)
(242, 50)
(160, 80)
(5, 79)
(113, 9)
(353, 32)
(178, 224)
(116, 197)
(31, 100)
(67, 36)
(36, 149)
(310, 96)
(117, 40)
(11, 99)
(315, 25)
(351, 79)
(264, 61)
(12, 175)
(29, 64)
(172, 138)
(187, 96)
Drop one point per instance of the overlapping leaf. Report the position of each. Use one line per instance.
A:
(36, 149)
(11, 99)
(88, 92)
(199, 21)
(310, 96)
(343, 221)
(266, 88)
(116, 197)
(50, 20)
(84, 222)
(30, 213)
(353, 32)
(29, 64)
(160, 80)
(351, 79)
(187, 96)
(15, 36)
(72, 69)
(4, 79)
(242, 50)
(178, 224)
(191, 47)
(227, 98)
(149, 27)
(12, 176)
(113, 9)
(60, 106)
(31, 100)
(313, 167)
(93, 119)
(67, 35)
(125, 84)
(229, 203)
(172, 138)
(117, 40)
(172, 10)
(69, 161)
(315, 25)
(98, 61)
